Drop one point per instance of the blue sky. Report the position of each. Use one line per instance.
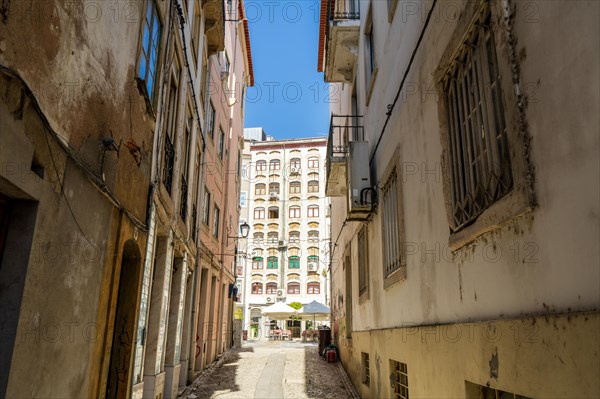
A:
(289, 97)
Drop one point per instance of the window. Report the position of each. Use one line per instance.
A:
(273, 212)
(258, 238)
(295, 164)
(293, 288)
(272, 262)
(210, 120)
(260, 189)
(295, 187)
(261, 166)
(294, 262)
(294, 211)
(187, 149)
(313, 263)
(313, 288)
(206, 206)
(257, 288)
(273, 188)
(480, 165)
(272, 237)
(313, 186)
(227, 64)
(259, 213)
(257, 263)
(242, 198)
(196, 32)
(313, 236)
(313, 163)
(294, 237)
(148, 61)
(275, 164)
(392, 256)
(170, 127)
(313, 211)
(216, 221)
(221, 143)
(366, 370)
(238, 165)
(369, 50)
(399, 380)
(271, 288)
(363, 265)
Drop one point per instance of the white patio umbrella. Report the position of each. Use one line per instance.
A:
(279, 311)
(317, 310)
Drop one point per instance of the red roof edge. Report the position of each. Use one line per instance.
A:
(242, 17)
(322, 33)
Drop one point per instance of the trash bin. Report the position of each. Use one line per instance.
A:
(245, 335)
(324, 340)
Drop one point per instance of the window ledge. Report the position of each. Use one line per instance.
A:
(396, 277)
(511, 206)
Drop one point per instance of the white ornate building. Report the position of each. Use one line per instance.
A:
(286, 255)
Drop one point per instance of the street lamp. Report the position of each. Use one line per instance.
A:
(244, 231)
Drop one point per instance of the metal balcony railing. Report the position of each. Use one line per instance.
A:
(168, 164)
(184, 194)
(342, 130)
(339, 10)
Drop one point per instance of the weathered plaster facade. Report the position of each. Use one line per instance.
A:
(102, 147)
(524, 272)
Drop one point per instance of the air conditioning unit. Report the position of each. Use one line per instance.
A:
(361, 195)
(269, 299)
(294, 171)
(313, 266)
(273, 196)
(280, 293)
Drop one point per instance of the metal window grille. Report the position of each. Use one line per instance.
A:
(479, 155)
(210, 120)
(399, 379)
(362, 261)
(216, 222)
(184, 195)
(391, 232)
(168, 164)
(366, 368)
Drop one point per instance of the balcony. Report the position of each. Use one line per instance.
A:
(342, 130)
(341, 40)
(214, 26)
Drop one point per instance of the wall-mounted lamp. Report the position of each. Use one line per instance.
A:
(244, 231)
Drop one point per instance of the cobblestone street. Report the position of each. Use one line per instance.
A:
(272, 370)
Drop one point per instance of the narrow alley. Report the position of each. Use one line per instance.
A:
(276, 369)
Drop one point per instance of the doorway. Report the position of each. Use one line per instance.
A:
(119, 372)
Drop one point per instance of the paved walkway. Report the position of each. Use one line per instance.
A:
(265, 370)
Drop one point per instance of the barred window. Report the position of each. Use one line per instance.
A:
(362, 261)
(480, 166)
(392, 255)
(399, 379)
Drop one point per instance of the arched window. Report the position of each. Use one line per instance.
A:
(272, 237)
(293, 288)
(313, 288)
(295, 187)
(272, 262)
(294, 262)
(257, 263)
(273, 188)
(294, 237)
(313, 186)
(294, 211)
(313, 163)
(273, 212)
(313, 236)
(259, 238)
(295, 165)
(313, 211)
(260, 189)
(257, 288)
(259, 213)
(261, 166)
(275, 164)
(271, 288)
